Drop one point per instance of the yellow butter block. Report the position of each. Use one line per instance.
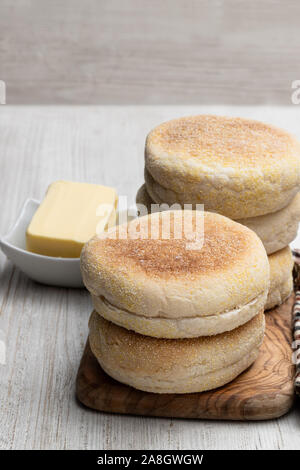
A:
(70, 214)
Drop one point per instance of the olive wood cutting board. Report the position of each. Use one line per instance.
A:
(264, 391)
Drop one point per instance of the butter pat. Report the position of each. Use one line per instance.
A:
(70, 214)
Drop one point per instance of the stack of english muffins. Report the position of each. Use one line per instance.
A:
(178, 300)
(243, 169)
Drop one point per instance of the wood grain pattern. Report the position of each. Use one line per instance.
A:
(264, 391)
(45, 328)
(149, 52)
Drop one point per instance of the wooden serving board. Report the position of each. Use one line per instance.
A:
(264, 391)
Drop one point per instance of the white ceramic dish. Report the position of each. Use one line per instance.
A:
(63, 272)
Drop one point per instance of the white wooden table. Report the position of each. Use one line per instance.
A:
(45, 328)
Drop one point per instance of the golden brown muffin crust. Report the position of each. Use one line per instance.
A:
(232, 141)
(152, 353)
(224, 243)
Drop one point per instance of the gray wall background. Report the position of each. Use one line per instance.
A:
(149, 51)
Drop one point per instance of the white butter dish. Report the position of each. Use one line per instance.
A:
(53, 271)
(64, 272)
